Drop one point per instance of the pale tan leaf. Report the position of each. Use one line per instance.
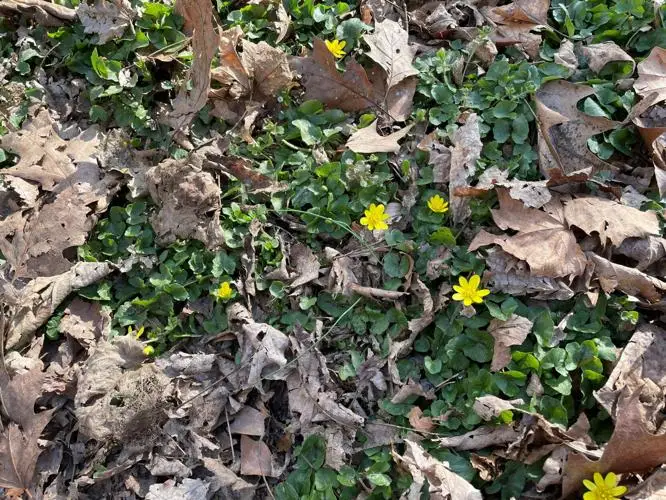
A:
(610, 219)
(248, 421)
(267, 67)
(43, 12)
(419, 422)
(106, 18)
(652, 488)
(652, 74)
(466, 151)
(367, 140)
(256, 458)
(517, 19)
(631, 281)
(534, 194)
(85, 322)
(389, 47)
(601, 54)
(513, 331)
(188, 489)
(481, 437)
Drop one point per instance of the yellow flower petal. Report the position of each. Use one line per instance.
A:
(591, 495)
(475, 281)
(458, 288)
(610, 480)
(463, 282)
(483, 292)
(589, 485)
(457, 296)
(618, 491)
(599, 480)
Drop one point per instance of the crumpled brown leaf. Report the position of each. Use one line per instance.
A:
(106, 18)
(39, 299)
(45, 13)
(85, 322)
(645, 251)
(256, 458)
(533, 194)
(543, 240)
(466, 151)
(188, 489)
(513, 331)
(610, 219)
(516, 20)
(652, 488)
(19, 447)
(389, 47)
(601, 54)
(188, 201)
(631, 281)
(443, 483)
(367, 140)
(652, 75)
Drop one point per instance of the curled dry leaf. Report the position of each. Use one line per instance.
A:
(442, 481)
(419, 422)
(106, 18)
(188, 489)
(248, 421)
(645, 251)
(601, 54)
(85, 322)
(466, 151)
(533, 194)
(513, 331)
(482, 437)
(516, 21)
(543, 240)
(631, 281)
(652, 75)
(389, 47)
(367, 140)
(45, 13)
(188, 201)
(652, 488)
(610, 219)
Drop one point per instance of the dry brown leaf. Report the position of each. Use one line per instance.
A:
(348, 91)
(639, 369)
(533, 194)
(516, 20)
(188, 201)
(39, 299)
(513, 331)
(198, 16)
(305, 264)
(398, 100)
(106, 18)
(85, 322)
(389, 47)
(227, 481)
(267, 68)
(43, 12)
(610, 219)
(419, 422)
(601, 54)
(543, 240)
(652, 75)
(19, 448)
(242, 169)
(248, 421)
(188, 489)
(566, 57)
(367, 140)
(565, 130)
(652, 488)
(466, 151)
(256, 458)
(645, 251)
(631, 281)
(631, 448)
(443, 483)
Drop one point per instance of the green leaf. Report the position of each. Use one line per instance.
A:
(223, 264)
(504, 109)
(312, 452)
(520, 129)
(347, 476)
(379, 479)
(395, 265)
(443, 236)
(433, 366)
(310, 134)
(325, 478)
(502, 131)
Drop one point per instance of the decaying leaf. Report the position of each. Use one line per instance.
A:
(45, 13)
(482, 437)
(367, 140)
(652, 488)
(38, 300)
(305, 264)
(226, 481)
(188, 489)
(610, 219)
(419, 422)
(565, 130)
(631, 281)
(188, 201)
(19, 447)
(466, 151)
(543, 240)
(256, 458)
(513, 331)
(652, 75)
(199, 16)
(645, 251)
(249, 422)
(601, 54)
(443, 483)
(516, 20)
(85, 322)
(533, 194)
(348, 91)
(106, 18)
(389, 47)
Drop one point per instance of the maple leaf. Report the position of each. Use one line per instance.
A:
(543, 240)
(389, 47)
(367, 140)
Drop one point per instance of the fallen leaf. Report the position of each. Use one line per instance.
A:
(199, 17)
(411, 388)
(639, 369)
(565, 130)
(397, 100)
(85, 322)
(631, 448)
(652, 488)
(513, 331)
(566, 57)
(248, 421)
(186, 365)
(652, 75)
(442, 481)
(645, 251)
(242, 169)
(516, 20)
(267, 67)
(282, 22)
(45, 13)
(631, 281)
(188, 201)
(533, 194)
(305, 264)
(466, 151)
(543, 240)
(256, 458)
(39, 299)
(482, 437)
(367, 140)
(348, 91)
(490, 407)
(226, 481)
(389, 47)
(610, 219)
(106, 18)
(19, 447)
(601, 54)
(419, 422)
(188, 489)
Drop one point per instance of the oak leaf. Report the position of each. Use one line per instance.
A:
(106, 18)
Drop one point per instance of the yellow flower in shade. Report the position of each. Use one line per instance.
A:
(336, 47)
(137, 333)
(149, 350)
(224, 291)
(438, 205)
(603, 488)
(375, 218)
(468, 291)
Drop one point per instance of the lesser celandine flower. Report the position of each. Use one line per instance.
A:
(468, 292)
(603, 488)
(149, 350)
(438, 205)
(336, 47)
(224, 291)
(375, 217)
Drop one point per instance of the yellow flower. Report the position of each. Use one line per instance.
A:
(335, 47)
(137, 333)
(438, 205)
(149, 350)
(603, 489)
(225, 291)
(375, 218)
(468, 291)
